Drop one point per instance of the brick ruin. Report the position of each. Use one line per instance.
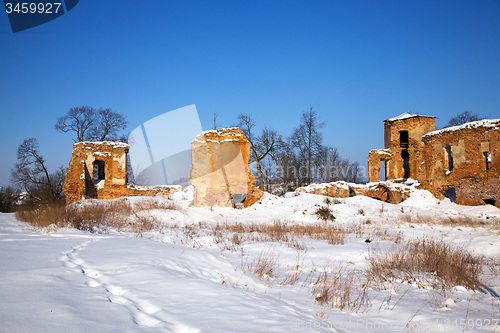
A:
(460, 161)
(403, 147)
(394, 192)
(463, 162)
(98, 170)
(220, 173)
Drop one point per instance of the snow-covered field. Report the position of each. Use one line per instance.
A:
(188, 275)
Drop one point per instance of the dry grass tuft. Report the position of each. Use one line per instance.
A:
(156, 203)
(423, 259)
(332, 201)
(265, 267)
(324, 213)
(342, 288)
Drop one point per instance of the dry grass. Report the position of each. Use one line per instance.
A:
(324, 214)
(97, 215)
(428, 259)
(292, 276)
(266, 266)
(342, 288)
(156, 203)
(376, 232)
(279, 231)
(43, 216)
(451, 221)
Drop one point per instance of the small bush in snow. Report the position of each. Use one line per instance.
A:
(324, 213)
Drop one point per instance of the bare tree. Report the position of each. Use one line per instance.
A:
(326, 163)
(261, 146)
(463, 118)
(287, 165)
(32, 175)
(91, 125)
(307, 140)
(107, 124)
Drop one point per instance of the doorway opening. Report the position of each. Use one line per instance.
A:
(406, 162)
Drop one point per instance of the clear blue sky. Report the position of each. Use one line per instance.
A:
(355, 62)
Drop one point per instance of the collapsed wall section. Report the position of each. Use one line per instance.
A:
(464, 160)
(220, 173)
(99, 170)
(390, 192)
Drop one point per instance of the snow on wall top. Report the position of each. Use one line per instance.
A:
(405, 115)
(109, 143)
(231, 134)
(492, 123)
(155, 187)
(381, 152)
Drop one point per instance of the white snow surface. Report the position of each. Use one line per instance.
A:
(111, 143)
(405, 115)
(68, 280)
(489, 123)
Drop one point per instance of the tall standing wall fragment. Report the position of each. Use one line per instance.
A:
(220, 173)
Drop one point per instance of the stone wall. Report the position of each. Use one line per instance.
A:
(99, 170)
(464, 158)
(220, 173)
(403, 151)
(385, 191)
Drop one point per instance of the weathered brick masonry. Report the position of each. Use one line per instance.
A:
(461, 158)
(220, 173)
(99, 170)
(464, 158)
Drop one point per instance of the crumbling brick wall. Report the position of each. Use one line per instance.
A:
(403, 151)
(391, 193)
(99, 170)
(464, 158)
(220, 173)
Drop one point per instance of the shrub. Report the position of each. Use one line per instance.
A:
(324, 213)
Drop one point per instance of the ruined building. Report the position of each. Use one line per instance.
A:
(460, 161)
(220, 173)
(464, 160)
(403, 151)
(99, 170)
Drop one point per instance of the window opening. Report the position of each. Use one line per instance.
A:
(403, 139)
(98, 172)
(487, 158)
(450, 158)
(406, 163)
(383, 171)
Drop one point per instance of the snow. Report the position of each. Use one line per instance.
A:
(110, 143)
(155, 187)
(488, 123)
(168, 280)
(97, 153)
(405, 115)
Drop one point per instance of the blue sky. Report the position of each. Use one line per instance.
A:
(355, 62)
